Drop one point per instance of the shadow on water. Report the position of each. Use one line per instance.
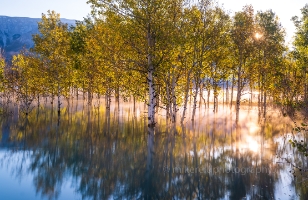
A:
(113, 154)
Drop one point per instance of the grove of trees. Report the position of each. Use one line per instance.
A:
(164, 53)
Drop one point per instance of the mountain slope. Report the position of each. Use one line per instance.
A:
(16, 33)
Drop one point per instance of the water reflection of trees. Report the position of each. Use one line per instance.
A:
(110, 154)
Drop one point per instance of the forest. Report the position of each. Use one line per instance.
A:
(168, 54)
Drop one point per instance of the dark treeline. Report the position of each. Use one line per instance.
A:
(165, 53)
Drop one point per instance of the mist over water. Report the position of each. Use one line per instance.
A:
(96, 153)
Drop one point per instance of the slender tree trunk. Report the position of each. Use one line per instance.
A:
(152, 98)
(223, 93)
(108, 99)
(59, 102)
(89, 95)
(227, 92)
(251, 96)
(239, 91)
(305, 88)
(208, 94)
(83, 90)
(232, 89)
(168, 96)
(134, 104)
(186, 95)
(264, 105)
(150, 79)
(157, 99)
(174, 104)
(215, 96)
(195, 98)
(259, 95)
(201, 96)
(38, 100)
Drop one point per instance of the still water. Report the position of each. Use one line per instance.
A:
(93, 153)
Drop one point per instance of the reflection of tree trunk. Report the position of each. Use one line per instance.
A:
(184, 144)
(149, 164)
(107, 122)
(5, 131)
(196, 162)
(172, 141)
(238, 190)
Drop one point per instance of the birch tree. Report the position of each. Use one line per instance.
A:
(52, 44)
(242, 36)
(143, 24)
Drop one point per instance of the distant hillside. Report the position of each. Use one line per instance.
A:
(16, 33)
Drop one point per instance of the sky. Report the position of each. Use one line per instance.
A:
(77, 9)
(69, 9)
(284, 9)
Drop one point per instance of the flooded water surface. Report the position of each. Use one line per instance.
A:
(94, 153)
